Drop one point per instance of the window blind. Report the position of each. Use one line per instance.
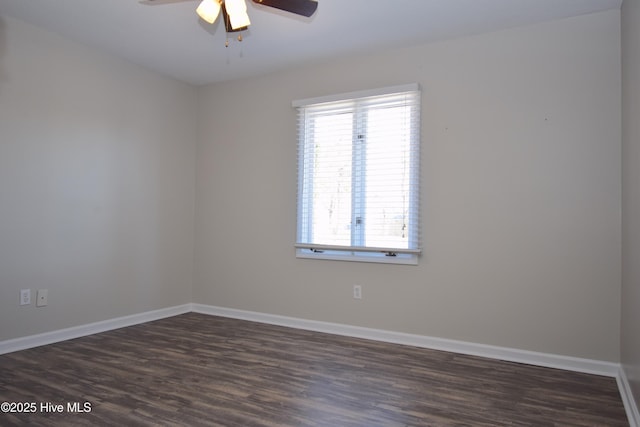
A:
(358, 172)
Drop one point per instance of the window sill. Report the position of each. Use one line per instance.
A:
(401, 259)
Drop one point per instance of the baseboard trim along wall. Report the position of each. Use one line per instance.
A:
(596, 367)
(502, 353)
(23, 343)
(633, 415)
(575, 364)
(589, 366)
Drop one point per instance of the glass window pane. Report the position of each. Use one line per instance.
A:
(332, 179)
(387, 177)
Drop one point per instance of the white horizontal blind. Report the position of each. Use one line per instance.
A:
(358, 172)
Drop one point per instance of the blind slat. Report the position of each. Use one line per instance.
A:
(358, 172)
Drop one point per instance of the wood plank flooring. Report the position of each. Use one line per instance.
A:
(200, 370)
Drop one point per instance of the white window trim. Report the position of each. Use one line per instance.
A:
(348, 253)
(357, 94)
(364, 254)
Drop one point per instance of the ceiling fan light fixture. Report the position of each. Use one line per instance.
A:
(208, 10)
(237, 11)
(239, 20)
(235, 6)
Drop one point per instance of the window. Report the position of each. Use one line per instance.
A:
(358, 176)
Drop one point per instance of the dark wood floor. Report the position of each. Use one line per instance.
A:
(199, 370)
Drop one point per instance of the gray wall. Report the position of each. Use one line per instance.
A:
(521, 186)
(521, 190)
(631, 194)
(96, 184)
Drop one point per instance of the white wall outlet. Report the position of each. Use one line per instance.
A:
(357, 291)
(42, 297)
(25, 296)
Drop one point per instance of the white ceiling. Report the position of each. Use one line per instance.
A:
(170, 39)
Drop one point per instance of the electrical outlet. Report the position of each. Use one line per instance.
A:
(357, 291)
(25, 296)
(42, 297)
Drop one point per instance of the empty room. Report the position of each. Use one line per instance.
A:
(320, 212)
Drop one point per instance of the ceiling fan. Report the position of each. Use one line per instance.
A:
(234, 12)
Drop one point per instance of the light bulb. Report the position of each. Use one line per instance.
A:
(235, 6)
(208, 10)
(239, 20)
(237, 11)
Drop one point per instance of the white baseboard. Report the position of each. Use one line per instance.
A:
(501, 353)
(628, 399)
(9, 346)
(589, 366)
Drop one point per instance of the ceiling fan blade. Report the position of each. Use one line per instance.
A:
(299, 7)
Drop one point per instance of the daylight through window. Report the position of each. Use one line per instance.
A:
(358, 176)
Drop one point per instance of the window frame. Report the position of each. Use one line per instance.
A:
(356, 252)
